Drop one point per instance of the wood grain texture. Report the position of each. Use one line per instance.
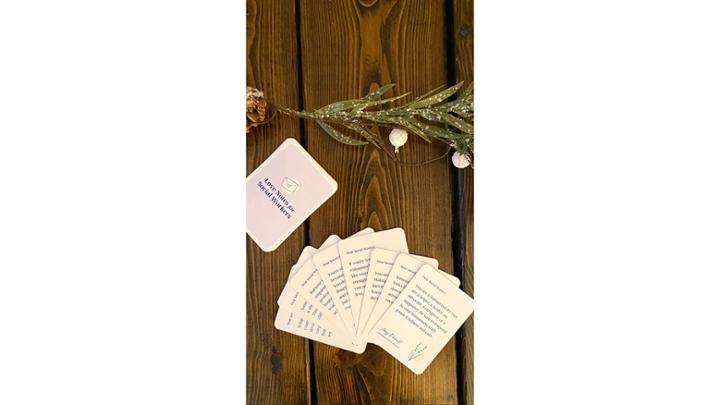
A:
(276, 361)
(462, 40)
(349, 47)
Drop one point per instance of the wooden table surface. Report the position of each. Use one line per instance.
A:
(307, 53)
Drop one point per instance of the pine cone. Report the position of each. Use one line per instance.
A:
(256, 108)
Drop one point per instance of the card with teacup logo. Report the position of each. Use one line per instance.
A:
(282, 192)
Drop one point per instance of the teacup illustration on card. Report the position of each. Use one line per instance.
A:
(290, 185)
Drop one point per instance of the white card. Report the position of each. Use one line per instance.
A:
(355, 260)
(330, 271)
(401, 273)
(381, 263)
(305, 255)
(299, 317)
(422, 319)
(308, 284)
(301, 324)
(289, 298)
(282, 192)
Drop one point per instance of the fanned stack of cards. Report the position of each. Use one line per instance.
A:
(369, 289)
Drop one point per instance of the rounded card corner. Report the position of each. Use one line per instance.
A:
(268, 249)
(291, 140)
(265, 248)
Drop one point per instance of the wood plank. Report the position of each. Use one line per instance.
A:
(462, 40)
(349, 47)
(276, 361)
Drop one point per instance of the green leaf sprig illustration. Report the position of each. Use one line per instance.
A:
(417, 351)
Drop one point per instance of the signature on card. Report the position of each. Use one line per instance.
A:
(417, 351)
(390, 337)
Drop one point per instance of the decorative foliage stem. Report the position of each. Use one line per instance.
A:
(432, 117)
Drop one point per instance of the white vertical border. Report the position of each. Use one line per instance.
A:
(597, 202)
(122, 167)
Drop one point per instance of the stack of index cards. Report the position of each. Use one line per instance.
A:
(369, 289)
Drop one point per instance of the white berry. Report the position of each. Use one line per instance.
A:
(460, 161)
(398, 137)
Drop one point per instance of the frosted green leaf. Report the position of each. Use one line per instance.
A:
(445, 118)
(363, 132)
(431, 116)
(341, 106)
(433, 91)
(375, 95)
(436, 98)
(340, 137)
